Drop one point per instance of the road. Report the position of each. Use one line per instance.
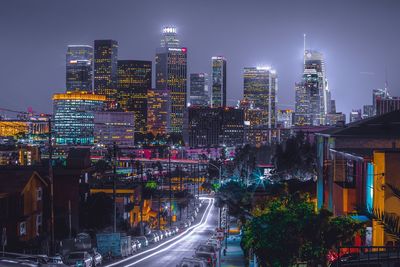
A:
(169, 253)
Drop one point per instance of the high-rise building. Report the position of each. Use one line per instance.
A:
(260, 89)
(73, 116)
(171, 75)
(105, 70)
(388, 104)
(79, 68)
(199, 92)
(134, 80)
(114, 127)
(213, 127)
(158, 107)
(355, 115)
(218, 88)
(378, 93)
(333, 106)
(336, 118)
(312, 93)
(285, 118)
(368, 111)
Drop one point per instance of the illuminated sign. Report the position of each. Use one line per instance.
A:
(183, 50)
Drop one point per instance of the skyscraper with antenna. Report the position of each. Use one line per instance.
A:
(312, 93)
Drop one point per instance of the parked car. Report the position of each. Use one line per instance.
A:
(192, 219)
(79, 258)
(143, 241)
(134, 247)
(192, 262)
(183, 225)
(96, 257)
(169, 232)
(207, 252)
(176, 229)
(161, 234)
(165, 233)
(152, 238)
(137, 242)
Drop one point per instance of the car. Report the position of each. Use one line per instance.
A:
(134, 246)
(137, 242)
(152, 238)
(96, 257)
(207, 252)
(214, 242)
(165, 233)
(192, 262)
(169, 232)
(79, 258)
(161, 234)
(192, 219)
(158, 239)
(143, 241)
(176, 229)
(183, 225)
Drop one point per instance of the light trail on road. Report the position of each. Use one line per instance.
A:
(177, 239)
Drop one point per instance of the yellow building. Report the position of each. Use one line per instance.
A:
(13, 128)
(386, 172)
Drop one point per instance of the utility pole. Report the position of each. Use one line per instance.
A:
(114, 187)
(69, 219)
(170, 188)
(51, 178)
(141, 198)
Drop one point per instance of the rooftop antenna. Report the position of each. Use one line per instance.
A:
(386, 80)
(304, 49)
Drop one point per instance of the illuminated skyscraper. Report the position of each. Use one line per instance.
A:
(134, 80)
(171, 75)
(105, 69)
(79, 68)
(378, 94)
(312, 91)
(218, 90)
(199, 92)
(73, 116)
(260, 89)
(158, 107)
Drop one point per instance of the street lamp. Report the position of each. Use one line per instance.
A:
(219, 168)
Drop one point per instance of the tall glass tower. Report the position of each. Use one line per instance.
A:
(79, 68)
(260, 90)
(199, 92)
(105, 69)
(171, 75)
(134, 80)
(218, 90)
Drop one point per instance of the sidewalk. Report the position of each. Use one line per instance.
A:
(234, 254)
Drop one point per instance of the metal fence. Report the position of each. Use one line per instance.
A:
(388, 256)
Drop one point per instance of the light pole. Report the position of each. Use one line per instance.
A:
(219, 168)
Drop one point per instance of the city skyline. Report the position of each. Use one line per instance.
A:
(353, 73)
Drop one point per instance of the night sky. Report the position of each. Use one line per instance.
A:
(360, 40)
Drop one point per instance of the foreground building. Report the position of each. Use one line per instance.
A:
(79, 68)
(355, 164)
(171, 75)
(73, 117)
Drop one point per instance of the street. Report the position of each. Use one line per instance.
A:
(169, 253)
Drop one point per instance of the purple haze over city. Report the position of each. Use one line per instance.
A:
(360, 41)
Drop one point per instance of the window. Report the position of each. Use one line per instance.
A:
(22, 228)
(39, 194)
(39, 219)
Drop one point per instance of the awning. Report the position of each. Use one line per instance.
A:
(360, 218)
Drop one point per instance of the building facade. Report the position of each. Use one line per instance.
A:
(368, 111)
(105, 70)
(73, 117)
(158, 116)
(355, 115)
(378, 93)
(171, 75)
(114, 127)
(260, 89)
(79, 68)
(199, 90)
(312, 94)
(134, 81)
(215, 127)
(285, 118)
(388, 104)
(218, 88)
